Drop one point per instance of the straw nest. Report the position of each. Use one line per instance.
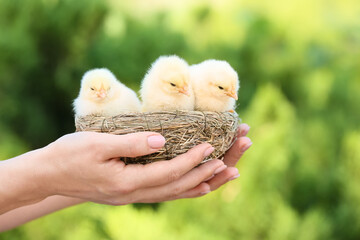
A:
(181, 129)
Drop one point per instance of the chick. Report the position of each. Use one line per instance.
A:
(166, 86)
(215, 85)
(102, 94)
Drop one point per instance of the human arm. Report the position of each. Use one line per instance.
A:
(86, 166)
(27, 213)
(24, 214)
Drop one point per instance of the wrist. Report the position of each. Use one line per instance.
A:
(23, 180)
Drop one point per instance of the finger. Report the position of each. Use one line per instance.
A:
(130, 145)
(233, 155)
(174, 189)
(243, 130)
(162, 172)
(225, 176)
(214, 183)
(198, 191)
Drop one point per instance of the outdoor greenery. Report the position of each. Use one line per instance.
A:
(299, 66)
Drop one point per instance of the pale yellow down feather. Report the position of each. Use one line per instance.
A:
(215, 85)
(166, 86)
(102, 94)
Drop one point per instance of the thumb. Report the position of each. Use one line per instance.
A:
(132, 145)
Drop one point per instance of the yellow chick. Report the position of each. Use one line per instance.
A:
(215, 85)
(166, 86)
(102, 94)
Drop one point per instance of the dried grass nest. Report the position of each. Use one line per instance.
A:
(181, 129)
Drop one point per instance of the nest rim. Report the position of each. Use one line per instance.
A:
(181, 129)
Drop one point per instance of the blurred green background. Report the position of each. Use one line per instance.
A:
(299, 65)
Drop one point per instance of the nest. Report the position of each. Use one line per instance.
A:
(181, 129)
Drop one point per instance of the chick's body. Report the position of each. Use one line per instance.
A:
(166, 86)
(215, 85)
(102, 94)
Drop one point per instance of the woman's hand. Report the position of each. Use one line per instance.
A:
(86, 165)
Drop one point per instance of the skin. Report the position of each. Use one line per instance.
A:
(84, 167)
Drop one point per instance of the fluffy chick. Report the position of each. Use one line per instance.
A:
(215, 85)
(102, 94)
(166, 86)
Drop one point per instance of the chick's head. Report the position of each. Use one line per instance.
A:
(98, 85)
(173, 75)
(222, 79)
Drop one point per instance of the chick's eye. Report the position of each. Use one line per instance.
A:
(173, 84)
(220, 87)
(92, 89)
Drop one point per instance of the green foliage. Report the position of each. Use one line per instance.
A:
(300, 77)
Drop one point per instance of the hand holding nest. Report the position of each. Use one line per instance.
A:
(84, 166)
(90, 169)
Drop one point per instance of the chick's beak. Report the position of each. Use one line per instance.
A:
(101, 93)
(232, 94)
(184, 90)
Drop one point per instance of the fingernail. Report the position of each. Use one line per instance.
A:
(208, 151)
(206, 192)
(209, 178)
(246, 147)
(246, 130)
(220, 169)
(156, 141)
(234, 177)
